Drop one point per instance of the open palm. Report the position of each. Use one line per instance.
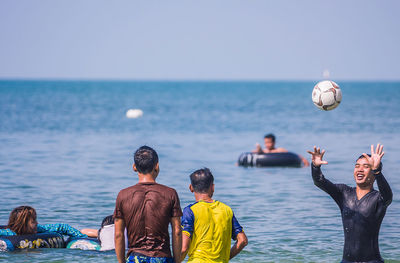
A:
(316, 156)
(376, 156)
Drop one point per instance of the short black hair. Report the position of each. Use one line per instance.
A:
(362, 156)
(201, 180)
(108, 220)
(270, 136)
(146, 159)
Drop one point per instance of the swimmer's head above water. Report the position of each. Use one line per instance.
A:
(202, 181)
(108, 220)
(146, 161)
(269, 141)
(23, 220)
(364, 172)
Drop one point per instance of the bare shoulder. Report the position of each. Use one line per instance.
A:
(280, 150)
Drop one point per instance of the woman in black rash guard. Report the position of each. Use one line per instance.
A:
(362, 207)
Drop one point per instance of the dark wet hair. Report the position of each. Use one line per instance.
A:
(146, 159)
(270, 136)
(201, 180)
(108, 220)
(19, 219)
(362, 156)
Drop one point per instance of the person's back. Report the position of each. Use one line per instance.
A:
(146, 210)
(209, 225)
(211, 239)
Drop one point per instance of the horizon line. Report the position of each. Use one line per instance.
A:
(191, 80)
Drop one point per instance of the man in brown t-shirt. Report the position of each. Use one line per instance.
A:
(146, 209)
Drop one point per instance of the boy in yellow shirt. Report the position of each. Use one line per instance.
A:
(208, 225)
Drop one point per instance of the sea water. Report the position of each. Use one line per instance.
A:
(66, 148)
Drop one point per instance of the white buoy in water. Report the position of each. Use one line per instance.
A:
(134, 113)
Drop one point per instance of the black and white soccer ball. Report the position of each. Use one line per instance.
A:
(326, 95)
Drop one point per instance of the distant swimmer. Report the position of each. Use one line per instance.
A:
(269, 142)
(362, 207)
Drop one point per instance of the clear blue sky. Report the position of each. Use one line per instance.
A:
(200, 40)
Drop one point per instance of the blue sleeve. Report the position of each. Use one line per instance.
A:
(7, 232)
(63, 229)
(236, 227)
(187, 221)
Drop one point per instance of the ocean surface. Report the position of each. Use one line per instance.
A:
(66, 148)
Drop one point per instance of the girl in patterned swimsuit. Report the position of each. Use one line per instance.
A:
(22, 221)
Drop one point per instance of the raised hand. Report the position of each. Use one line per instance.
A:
(317, 156)
(258, 148)
(376, 156)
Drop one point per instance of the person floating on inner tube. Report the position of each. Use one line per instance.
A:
(22, 221)
(269, 142)
(362, 207)
(105, 234)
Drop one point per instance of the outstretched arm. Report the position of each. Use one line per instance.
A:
(90, 232)
(63, 229)
(304, 160)
(375, 162)
(241, 242)
(319, 179)
(384, 189)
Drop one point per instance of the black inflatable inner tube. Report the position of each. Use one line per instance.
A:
(286, 159)
(39, 240)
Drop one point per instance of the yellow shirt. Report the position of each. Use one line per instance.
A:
(210, 227)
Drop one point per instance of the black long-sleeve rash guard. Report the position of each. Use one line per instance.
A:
(361, 218)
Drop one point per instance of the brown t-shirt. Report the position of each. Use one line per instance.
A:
(147, 209)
